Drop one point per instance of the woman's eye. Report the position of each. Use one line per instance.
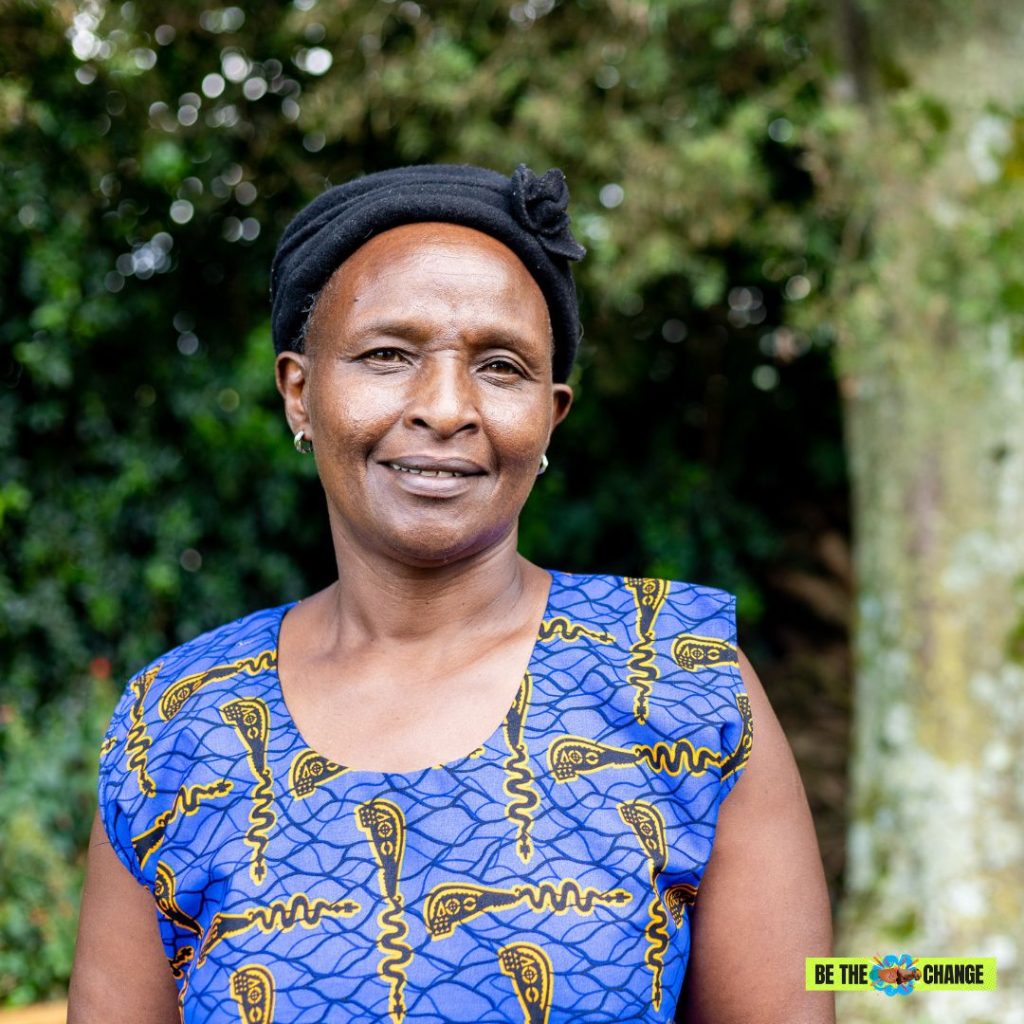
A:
(383, 355)
(501, 366)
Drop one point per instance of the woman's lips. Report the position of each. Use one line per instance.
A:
(428, 472)
(433, 465)
(433, 477)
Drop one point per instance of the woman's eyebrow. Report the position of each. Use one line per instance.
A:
(407, 329)
(497, 337)
(410, 330)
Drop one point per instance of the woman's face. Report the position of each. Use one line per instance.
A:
(426, 390)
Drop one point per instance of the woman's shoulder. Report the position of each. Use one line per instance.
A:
(256, 629)
(691, 602)
(671, 646)
(687, 628)
(246, 644)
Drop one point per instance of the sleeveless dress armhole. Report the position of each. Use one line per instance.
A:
(737, 728)
(113, 781)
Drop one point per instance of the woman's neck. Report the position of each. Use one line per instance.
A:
(378, 599)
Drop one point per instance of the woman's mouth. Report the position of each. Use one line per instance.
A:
(424, 472)
(434, 465)
(431, 476)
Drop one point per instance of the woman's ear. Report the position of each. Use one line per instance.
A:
(561, 400)
(291, 376)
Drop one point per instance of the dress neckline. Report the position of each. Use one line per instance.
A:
(492, 743)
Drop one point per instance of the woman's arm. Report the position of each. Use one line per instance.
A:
(762, 905)
(120, 974)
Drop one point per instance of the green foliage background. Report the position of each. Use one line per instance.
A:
(148, 487)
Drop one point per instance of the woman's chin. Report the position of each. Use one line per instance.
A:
(426, 548)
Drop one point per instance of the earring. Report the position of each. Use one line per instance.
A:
(302, 446)
(543, 463)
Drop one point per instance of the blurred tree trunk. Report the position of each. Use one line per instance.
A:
(931, 363)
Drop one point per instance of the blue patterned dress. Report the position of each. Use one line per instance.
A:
(544, 877)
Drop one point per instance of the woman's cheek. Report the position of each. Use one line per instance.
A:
(354, 419)
(522, 436)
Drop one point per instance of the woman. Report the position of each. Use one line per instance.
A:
(452, 786)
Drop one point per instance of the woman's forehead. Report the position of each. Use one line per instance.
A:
(439, 264)
(434, 240)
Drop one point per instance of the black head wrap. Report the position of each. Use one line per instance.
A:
(525, 212)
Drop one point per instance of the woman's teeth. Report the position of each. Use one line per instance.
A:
(423, 472)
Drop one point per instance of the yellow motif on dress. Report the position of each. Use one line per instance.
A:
(648, 596)
(560, 628)
(279, 916)
(678, 898)
(186, 802)
(138, 741)
(384, 826)
(648, 826)
(309, 771)
(741, 752)
(108, 745)
(531, 972)
(693, 652)
(572, 756)
(519, 781)
(251, 719)
(455, 903)
(569, 757)
(175, 696)
(182, 956)
(252, 987)
(165, 895)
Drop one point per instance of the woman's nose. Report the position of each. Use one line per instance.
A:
(443, 398)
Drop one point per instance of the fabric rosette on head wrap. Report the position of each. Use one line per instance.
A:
(526, 212)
